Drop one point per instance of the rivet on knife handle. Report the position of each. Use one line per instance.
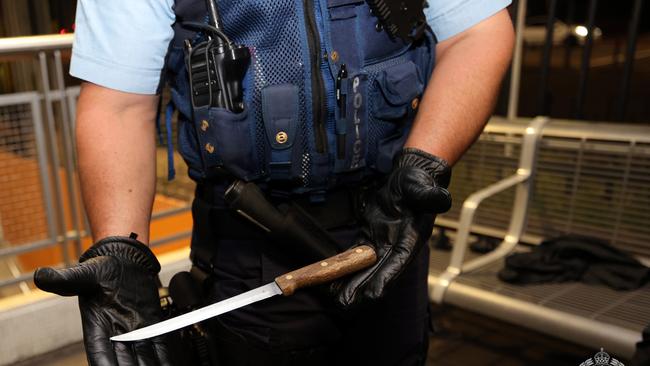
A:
(327, 270)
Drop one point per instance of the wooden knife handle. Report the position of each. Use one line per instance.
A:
(327, 270)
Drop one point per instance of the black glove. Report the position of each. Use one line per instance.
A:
(397, 221)
(117, 288)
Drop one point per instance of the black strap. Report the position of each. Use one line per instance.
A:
(214, 221)
(341, 207)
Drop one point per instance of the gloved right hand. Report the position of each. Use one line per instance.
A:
(116, 284)
(397, 222)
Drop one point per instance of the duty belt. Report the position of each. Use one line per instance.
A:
(215, 220)
(341, 207)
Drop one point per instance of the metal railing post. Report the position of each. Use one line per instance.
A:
(630, 52)
(68, 153)
(586, 59)
(515, 79)
(546, 59)
(43, 166)
(51, 126)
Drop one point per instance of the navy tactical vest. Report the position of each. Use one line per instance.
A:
(292, 128)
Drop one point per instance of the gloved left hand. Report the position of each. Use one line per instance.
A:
(116, 284)
(397, 221)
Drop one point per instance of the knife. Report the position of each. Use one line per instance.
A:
(317, 273)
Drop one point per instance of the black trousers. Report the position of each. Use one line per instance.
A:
(306, 328)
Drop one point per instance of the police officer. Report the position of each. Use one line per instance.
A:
(371, 167)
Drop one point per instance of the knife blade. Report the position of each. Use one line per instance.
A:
(317, 273)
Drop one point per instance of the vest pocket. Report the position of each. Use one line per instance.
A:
(355, 39)
(393, 101)
(398, 92)
(213, 141)
(343, 33)
(225, 141)
(280, 111)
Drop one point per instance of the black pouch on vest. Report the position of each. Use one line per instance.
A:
(404, 18)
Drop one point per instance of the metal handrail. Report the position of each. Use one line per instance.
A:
(77, 235)
(13, 45)
(523, 180)
(23, 277)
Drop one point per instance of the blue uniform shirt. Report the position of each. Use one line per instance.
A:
(121, 44)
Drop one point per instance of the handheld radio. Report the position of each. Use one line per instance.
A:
(216, 66)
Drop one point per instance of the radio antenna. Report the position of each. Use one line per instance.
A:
(215, 18)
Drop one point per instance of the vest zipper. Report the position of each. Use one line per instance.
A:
(319, 108)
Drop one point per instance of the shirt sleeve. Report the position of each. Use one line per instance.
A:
(450, 17)
(121, 44)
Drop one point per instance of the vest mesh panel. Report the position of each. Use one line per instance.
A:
(273, 29)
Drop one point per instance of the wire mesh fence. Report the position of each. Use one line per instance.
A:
(591, 180)
(22, 211)
(42, 221)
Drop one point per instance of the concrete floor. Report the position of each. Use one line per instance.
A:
(72, 355)
(466, 339)
(460, 338)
